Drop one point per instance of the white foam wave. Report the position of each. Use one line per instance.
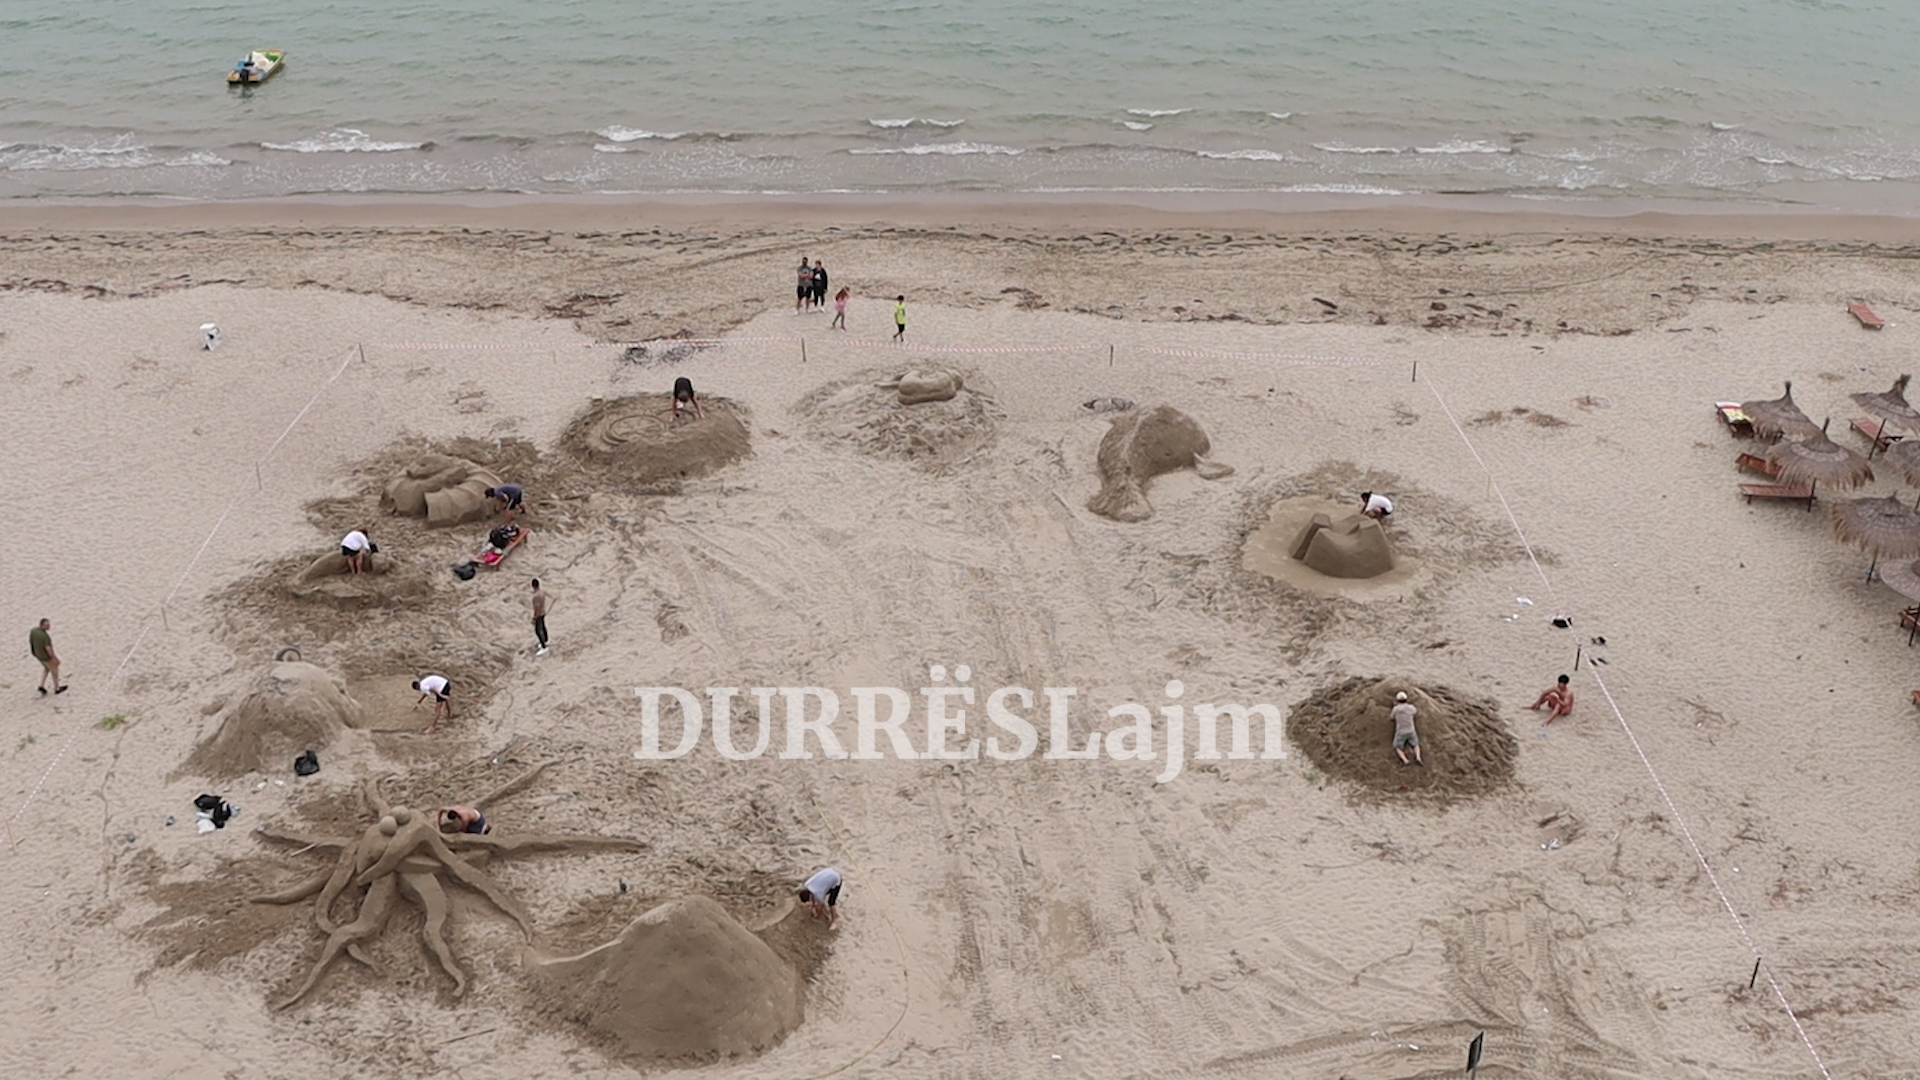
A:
(344, 141)
(1136, 125)
(940, 148)
(620, 134)
(1340, 189)
(1717, 126)
(1281, 115)
(924, 121)
(1463, 146)
(199, 159)
(1342, 148)
(1246, 155)
(120, 152)
(1157, 112)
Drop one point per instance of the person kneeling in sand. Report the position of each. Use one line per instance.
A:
(684, 399)
(355, 547)
(1404, 738)
(437, 688)
(1377, 507)
(821, 893)
(463, 819)
(509, 496)
(1556, 699)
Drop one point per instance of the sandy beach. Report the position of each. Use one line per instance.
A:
(1534, 391)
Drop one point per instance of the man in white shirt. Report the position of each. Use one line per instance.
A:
(1377, 507)
(821, 892)
(437, 688)
(1404, 738)
(355, 546)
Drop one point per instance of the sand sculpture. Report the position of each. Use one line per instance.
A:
(1346, 732)
(443, 489)
(684, 980)
(404, 856)
(921, 387)
(292, 707)
(1140, 446)
(636, 439)
(1354, 547)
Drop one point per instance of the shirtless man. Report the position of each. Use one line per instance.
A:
(1556, 699)
(821, 893)
(463, 819)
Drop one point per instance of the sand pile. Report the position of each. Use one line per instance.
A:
(292, 707)
(905, 415)
(637, 440)
(1353, 547)
(1346, 732)
(376, 586)
(445, 490)
(684, 980)
(1141, 445)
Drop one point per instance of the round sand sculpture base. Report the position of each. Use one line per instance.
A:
(1274, 549)
(1347, 732)
(636, 439)
(291, 708)
(933, 419)
(684, 980)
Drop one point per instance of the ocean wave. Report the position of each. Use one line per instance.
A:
(1136, 125)
(940, 148)
(1340, 189)
(618, 134)
(1342, 148)
(921, 120)
(1157, 112)
(120, 152)
(1464, 146)
(202, 159)
(1281, 115)
(345, 141)
(1717, 126)
(1246, 155)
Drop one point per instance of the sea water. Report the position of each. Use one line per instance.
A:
(1784, 102)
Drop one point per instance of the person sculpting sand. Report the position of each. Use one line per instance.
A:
(1404, 737)
(437, 688)
(821, 893)
(1376, 506)
(1556, 699)
(685, 400)
(40, 644)
(510, 497)
(463, 819)
(355, 547)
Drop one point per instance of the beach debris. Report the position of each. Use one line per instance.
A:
(1523, 601)
(1868, 319)
(306, 764)
(209, 336)
(1328, 304)
(1113, 404)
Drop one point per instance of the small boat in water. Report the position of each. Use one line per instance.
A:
(258, 67)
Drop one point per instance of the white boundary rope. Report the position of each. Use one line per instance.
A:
(1699, 854)
(146, 624)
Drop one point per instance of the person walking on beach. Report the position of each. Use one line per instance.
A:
(437, 688)
(899, 318)
(539, 604)
(1404, 738)
(1556, 699)
(40, 644)
(819, 284)
(355, 547)
(805, 290)
(1377, 507)
(821, 893)
(840, 308)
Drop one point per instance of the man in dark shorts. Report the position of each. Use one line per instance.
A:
(899, 318)
(819, 284)
(539, 604)
(805, 290)
(40, 644)
(821, 892)
(510, 496)
(463, 819)
(684, 398)
(437, 688)
(355, 546)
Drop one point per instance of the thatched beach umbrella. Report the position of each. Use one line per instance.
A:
(1903, 577)
(1819, 460)
(1890, 407)
(1885, 527)
(1779, 417)
(1905, 458)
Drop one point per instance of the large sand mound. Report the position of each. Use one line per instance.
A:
(326, 580)
(1140, 446)
(292, 707)
(871, 412)
(1346, 732)
(445, 490)
(635, 439)
(684, 980)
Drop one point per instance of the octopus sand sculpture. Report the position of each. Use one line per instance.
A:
(443, 489)
(1141, 445)
(404, 856)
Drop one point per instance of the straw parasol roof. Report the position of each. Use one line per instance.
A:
(1904, 456)
(1818, 459)
(1779, 416)
(1884, 527)
(1902, 577)
(1892, 405)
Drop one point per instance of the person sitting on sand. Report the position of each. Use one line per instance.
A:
(685, 398)
(1556, 699)
(1377, 507)
(437, 688)
(1404, 738)
(355, 546)
(509, 496)
(463, 819)
(821, 893)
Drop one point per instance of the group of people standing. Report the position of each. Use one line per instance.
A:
(810, 291)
